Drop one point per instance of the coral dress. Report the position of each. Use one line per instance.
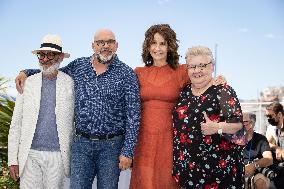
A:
(153, 157)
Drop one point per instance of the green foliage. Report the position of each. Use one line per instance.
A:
(3, 84)
(5, 180)
(6, 112)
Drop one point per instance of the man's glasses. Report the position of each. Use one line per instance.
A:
(102, 43)
(49, 55)
(269, 116)
(200, 66)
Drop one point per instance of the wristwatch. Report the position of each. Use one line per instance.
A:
(220, 130)
(256, 165)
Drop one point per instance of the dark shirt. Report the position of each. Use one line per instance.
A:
(108, 103)
(255, 147)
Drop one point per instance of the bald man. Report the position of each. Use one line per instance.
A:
(107, 114)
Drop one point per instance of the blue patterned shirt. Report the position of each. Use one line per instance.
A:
(108, 103)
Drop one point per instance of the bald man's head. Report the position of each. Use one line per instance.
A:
(104, 46)
(104, 34)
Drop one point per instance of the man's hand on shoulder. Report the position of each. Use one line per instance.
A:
(219, 80)
(20, 81)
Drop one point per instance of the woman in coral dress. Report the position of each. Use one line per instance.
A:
(161, 81)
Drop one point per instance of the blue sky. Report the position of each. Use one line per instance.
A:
(249, 33)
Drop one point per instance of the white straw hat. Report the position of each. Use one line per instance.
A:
(51, 43)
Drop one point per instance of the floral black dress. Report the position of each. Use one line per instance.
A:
(207, 161)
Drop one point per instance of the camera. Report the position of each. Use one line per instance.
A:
(269, 173)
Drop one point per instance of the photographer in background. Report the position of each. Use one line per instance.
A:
(257, 155)
(275, 137)
(275, 133)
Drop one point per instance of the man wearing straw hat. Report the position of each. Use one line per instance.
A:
(107, 114)
(41, 130)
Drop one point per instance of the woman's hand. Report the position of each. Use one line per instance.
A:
(209, 127)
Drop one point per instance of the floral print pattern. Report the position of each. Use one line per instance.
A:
(207, 161)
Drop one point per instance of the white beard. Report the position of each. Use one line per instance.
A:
(104, 60)
(51, 70)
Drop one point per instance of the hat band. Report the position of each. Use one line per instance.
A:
(51, 45)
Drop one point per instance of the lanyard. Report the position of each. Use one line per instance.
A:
(250, 146)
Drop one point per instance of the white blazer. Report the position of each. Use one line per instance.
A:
(25, 117)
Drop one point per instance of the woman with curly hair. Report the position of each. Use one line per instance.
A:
(161, 80)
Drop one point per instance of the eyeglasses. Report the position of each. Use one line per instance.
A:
(49, 55)
(269, 116)
(246, 122)
(102, 43)
(200, 66)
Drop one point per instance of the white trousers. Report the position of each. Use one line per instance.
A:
(43, 170)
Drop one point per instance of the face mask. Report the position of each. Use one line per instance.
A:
(272, 122)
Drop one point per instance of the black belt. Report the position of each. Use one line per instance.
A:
(97, 137)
